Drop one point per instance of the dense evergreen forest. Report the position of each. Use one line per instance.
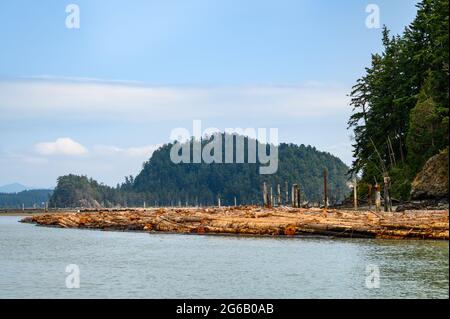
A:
(400, 116)
(28, 198)
(162, 182)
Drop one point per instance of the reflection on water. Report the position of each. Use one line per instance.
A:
(139, 265)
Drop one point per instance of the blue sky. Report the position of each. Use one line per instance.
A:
(97, 100)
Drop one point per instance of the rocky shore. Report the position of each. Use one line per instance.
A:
(250, 220)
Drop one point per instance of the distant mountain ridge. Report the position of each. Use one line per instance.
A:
(17, 188)
(13, 188)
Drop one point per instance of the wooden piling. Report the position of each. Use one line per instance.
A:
(286, 199)
(355, 193)
(264, 194)
(377, 197)
(293, 195)
(279, 195)
(266, 204)
(271, 197)
(325, 194)
(387, 197)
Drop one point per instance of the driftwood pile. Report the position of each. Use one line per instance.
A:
(251, 220)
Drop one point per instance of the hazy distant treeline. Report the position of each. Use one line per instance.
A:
(28, 198)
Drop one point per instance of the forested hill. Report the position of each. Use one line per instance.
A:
(400, 116)
(165, 183)
(204, 183)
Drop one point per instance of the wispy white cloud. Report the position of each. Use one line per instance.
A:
(22, 157)
(53, 78)
(142, 151)
(133, 101)
(62, 146)
(69, 147)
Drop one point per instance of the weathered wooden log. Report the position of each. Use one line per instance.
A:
(254, 220)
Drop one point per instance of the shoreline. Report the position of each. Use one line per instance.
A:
(241, 235)
(258, 222)
(20, 214)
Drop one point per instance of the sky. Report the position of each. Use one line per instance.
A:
(99, 99)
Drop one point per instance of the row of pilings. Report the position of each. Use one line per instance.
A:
(270, 199)
(292, 196)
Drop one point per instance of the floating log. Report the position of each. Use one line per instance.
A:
(253, 220)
